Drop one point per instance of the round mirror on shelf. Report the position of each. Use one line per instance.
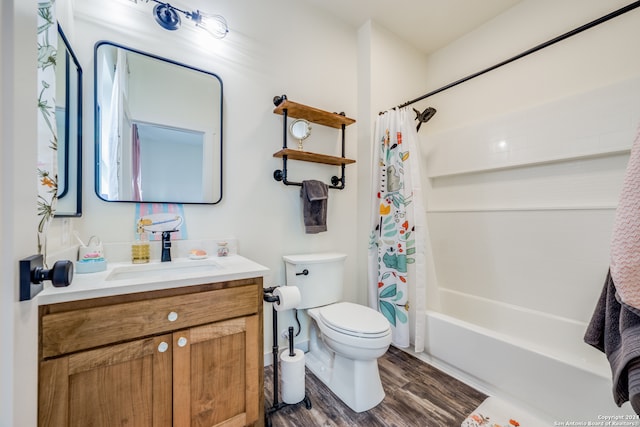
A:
(300, 129)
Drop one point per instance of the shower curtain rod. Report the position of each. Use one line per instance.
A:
(548, 43)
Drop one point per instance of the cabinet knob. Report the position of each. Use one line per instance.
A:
(162, 347)
(182, 341)
(173, 316)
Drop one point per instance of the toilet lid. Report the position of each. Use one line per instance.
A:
(354, 319)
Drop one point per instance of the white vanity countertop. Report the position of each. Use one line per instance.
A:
(177, 273)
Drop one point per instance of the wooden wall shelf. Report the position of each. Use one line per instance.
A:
(312, 114)
(313, 157)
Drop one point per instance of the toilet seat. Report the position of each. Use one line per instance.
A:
(354, 320)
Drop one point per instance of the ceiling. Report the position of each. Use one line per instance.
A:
(426, 24)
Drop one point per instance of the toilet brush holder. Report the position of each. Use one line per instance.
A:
(277, 405)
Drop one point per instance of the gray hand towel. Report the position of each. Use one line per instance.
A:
(315, 195)
(615, 330)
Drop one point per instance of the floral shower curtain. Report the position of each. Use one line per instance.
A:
(47, 167)
(397, 266)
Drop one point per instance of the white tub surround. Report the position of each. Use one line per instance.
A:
(554, 385)
(521, 208)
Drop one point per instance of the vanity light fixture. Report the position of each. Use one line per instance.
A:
(168, 17)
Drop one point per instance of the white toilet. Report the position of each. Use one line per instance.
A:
(345, 339)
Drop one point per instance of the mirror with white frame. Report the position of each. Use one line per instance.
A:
(69, 129)
(158, 129)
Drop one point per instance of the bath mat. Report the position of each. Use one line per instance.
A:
(494, 412)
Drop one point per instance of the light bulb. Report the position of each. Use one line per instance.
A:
(215, 25)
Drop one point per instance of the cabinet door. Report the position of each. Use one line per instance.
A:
(126, 384)
(216, 375)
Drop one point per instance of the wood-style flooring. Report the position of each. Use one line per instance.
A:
(417, 395)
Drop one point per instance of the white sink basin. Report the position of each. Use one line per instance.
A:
(172, 269)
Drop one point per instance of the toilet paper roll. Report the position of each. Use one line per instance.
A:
(289, 298)
(292, 393)
(293, 376)
(292, 366)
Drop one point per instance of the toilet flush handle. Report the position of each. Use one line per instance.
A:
(304, 273)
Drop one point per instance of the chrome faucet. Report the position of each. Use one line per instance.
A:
(166, 246)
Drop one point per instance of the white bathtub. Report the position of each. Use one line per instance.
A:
(527, 357)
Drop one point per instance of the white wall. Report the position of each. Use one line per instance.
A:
(541, 200)
(6, 294)
(18, 222)
(306, 55)
(562, 193)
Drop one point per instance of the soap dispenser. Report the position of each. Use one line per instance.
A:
(141, 249)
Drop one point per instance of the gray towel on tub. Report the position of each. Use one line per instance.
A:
(314, 196)
(615, 330)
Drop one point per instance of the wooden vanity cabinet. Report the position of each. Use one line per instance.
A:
(178, 357)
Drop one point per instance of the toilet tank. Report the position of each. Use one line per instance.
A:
(323, 283)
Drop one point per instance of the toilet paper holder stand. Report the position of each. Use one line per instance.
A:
(277, 405)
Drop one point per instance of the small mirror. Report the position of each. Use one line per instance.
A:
(69, 129)
(158, 129)
(300, 129)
